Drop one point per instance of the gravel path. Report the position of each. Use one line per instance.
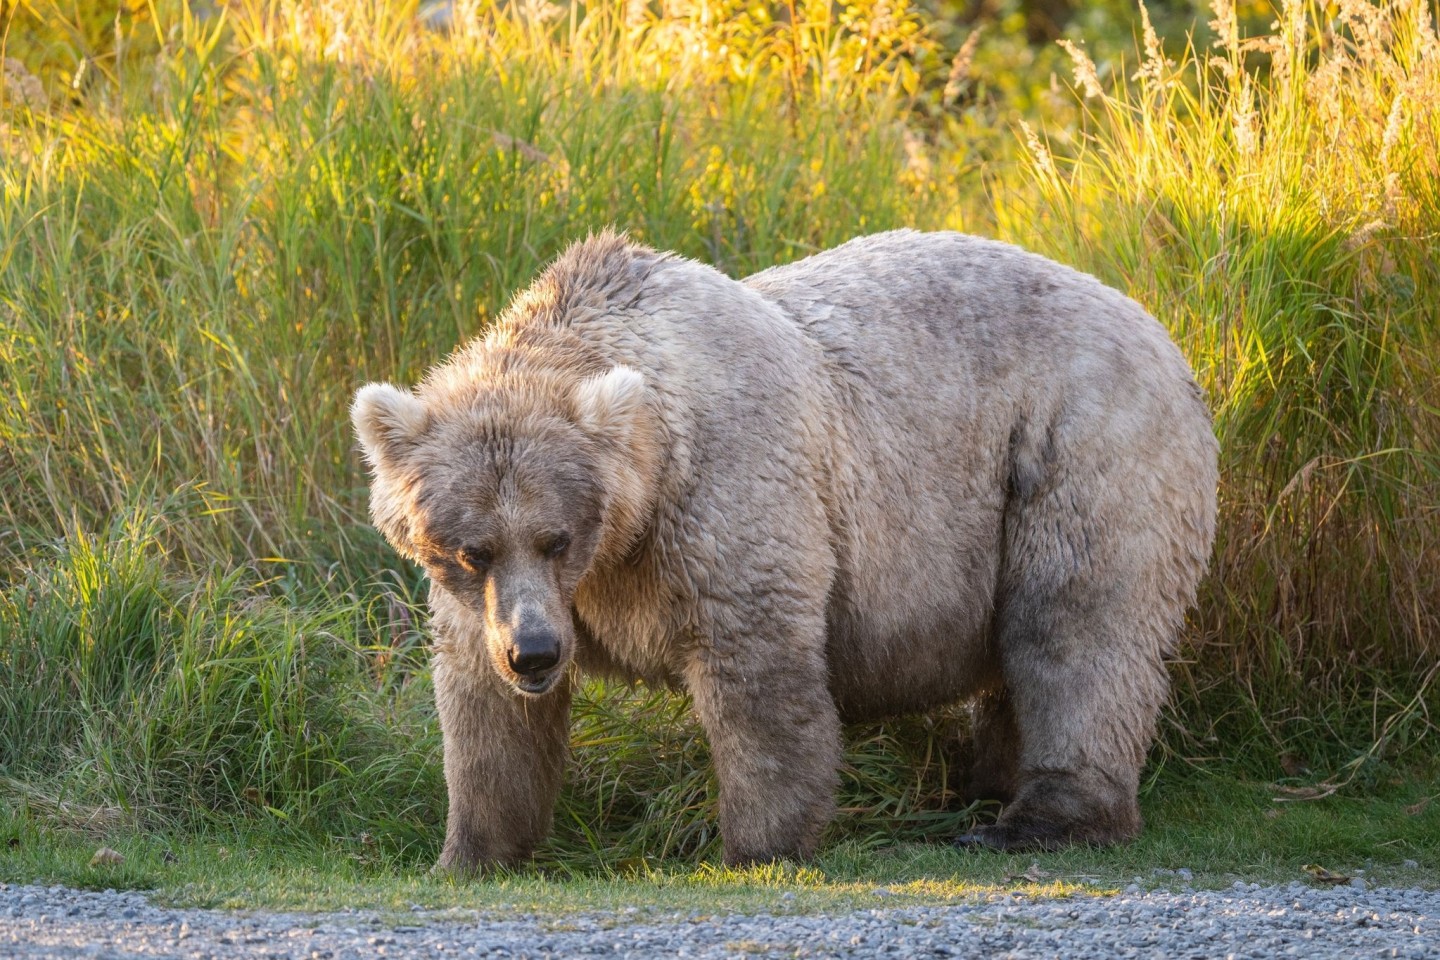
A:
(47, 923)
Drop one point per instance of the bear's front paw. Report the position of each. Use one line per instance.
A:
(449, 868)
(462, 862)
(742, 860)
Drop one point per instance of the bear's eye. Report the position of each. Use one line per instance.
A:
(556, 545)
(476, 559)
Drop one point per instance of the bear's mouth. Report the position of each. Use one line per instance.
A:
(535, 686)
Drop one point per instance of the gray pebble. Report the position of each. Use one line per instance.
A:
(1245, 921)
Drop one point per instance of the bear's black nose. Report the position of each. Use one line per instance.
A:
(534, 652)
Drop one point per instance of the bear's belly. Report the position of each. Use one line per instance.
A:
(886, 670)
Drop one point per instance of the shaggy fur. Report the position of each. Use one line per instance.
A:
(911, 470)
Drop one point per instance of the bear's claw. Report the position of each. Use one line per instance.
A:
(1012, 837)
(981, 838)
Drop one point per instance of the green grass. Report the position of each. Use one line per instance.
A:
(1220, 828)
(230, 223)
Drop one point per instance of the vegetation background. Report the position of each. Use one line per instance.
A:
(219, 218)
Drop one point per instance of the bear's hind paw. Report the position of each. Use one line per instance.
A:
(1006, 838)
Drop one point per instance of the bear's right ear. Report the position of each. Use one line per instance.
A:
(610, 405)
(387, 420)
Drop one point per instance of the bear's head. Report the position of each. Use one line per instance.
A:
(508, 493)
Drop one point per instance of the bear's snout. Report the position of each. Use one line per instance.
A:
(533, 652)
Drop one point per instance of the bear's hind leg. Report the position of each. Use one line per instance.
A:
(1086, 681)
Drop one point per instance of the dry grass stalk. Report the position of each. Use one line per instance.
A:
(90, 819)
(959, 77)
(1085, 73)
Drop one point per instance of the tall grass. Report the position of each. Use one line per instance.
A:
(130, 696)
(201, 263)
(237, 218)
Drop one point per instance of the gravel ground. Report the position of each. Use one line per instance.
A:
(47, 923)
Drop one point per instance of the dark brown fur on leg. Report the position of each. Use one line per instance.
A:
(992, 760)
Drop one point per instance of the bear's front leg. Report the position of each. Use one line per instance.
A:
(504, 756)
(774, 737)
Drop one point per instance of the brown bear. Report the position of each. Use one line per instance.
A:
(912, 470)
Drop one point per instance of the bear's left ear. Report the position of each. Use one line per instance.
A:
(610, 405)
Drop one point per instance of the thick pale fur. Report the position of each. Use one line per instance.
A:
(914, 469)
